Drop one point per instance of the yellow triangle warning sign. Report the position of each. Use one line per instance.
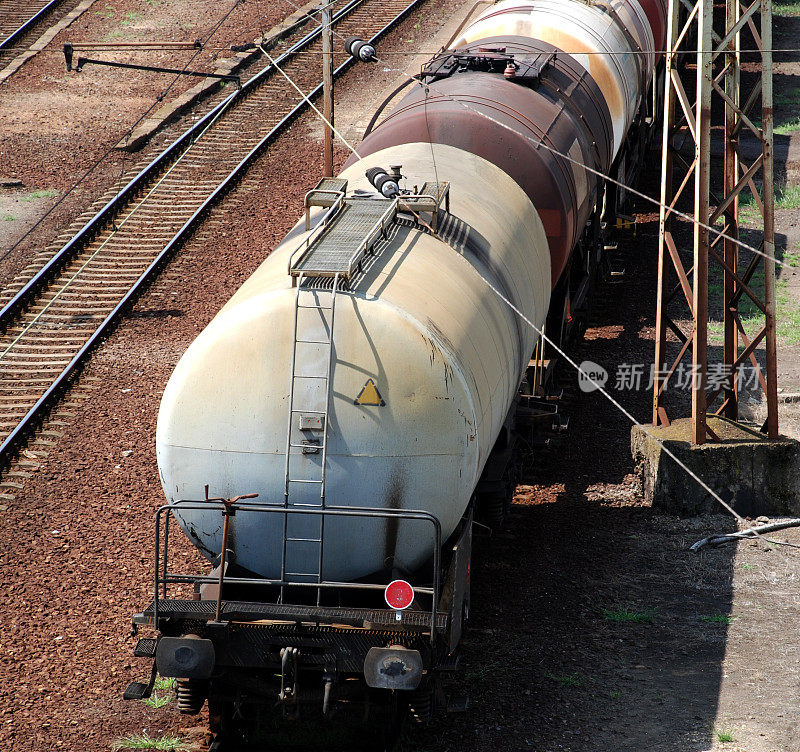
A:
(369, 395)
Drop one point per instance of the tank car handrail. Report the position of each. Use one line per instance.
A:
(305, 244)
(318, 192)
(326, 191)
(205, 578)
(168, 510)
(378, 228)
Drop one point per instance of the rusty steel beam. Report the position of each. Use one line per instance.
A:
(769, 219)
(687, 121)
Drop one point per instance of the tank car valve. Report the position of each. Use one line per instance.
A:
(385, 183)
(360, 49)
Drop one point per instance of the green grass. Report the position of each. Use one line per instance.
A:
(787, 312)
(788, 198)
(615, 695)
(786, 8)
(165, 743)
(748, 208)
(109, 12)
(130, 17)
(38, 194)
(157, 701)
(567, 680)
(163, 693)
(748, 566)
(719, 619)
(787, 128)
(8, 218)
(625, 615)
(790, 97)
(164, 684)
(724, 736)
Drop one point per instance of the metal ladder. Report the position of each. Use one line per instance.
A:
(303, 545)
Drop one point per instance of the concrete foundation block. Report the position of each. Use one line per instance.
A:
(754, 475)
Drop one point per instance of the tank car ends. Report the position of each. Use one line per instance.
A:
(362, 389)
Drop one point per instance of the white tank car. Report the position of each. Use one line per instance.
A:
(603, 45)
(445, 355)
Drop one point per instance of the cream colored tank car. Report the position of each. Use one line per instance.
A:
(444, 353)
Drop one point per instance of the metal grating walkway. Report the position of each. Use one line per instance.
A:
(345, 238)
(250, 611)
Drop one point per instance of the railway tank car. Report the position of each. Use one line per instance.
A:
(363, 380)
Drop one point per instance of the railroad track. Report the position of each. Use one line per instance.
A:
(51, 325)
(18, 19)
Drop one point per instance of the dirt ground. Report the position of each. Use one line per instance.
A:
(55, 126)
(593, 626)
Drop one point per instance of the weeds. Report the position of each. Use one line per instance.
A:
(788, 97)
(748, 566)
(157, 701)
(567, 680)
(38, 194)
(787, 8)
(625, 615)
(724, 736)
(163, 693)
(719, 619)
(130, 17)
(164, 683)
(788, 198)
(787, 128)
(109, 12)
(8, 218)
(164, 743)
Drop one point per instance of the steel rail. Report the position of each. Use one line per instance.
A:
(9, 41)
(18, 303)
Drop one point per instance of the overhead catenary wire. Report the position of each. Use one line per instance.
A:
(153, 47)
(102, 158)
(599, 387)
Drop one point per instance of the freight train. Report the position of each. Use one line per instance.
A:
(326, 442)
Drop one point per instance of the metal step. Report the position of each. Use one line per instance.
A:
(145, 648)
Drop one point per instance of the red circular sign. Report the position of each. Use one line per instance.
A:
(399, 594)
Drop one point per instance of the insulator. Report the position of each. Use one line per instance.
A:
(360, 49)
(385, 183)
